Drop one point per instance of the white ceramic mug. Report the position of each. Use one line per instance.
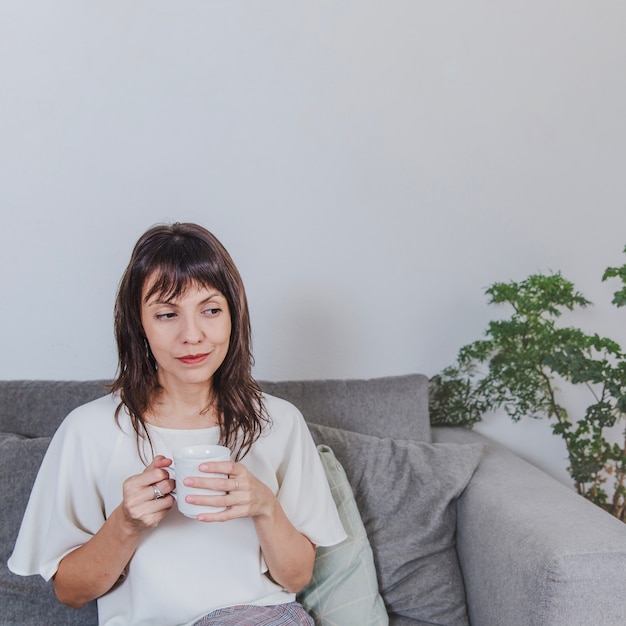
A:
(186, 463)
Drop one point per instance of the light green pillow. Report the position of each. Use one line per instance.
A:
(344, 588)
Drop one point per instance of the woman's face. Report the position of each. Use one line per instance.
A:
(189, 336)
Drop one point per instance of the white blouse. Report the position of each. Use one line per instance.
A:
(182, 569)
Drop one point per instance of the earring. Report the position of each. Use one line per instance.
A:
(149, 355)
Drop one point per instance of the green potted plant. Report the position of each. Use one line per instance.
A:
(519, 367)
(619, 297)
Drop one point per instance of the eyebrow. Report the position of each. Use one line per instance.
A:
(170, 302)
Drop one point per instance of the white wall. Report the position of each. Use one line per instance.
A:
(371, 166)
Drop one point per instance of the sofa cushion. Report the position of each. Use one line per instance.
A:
(344, 588)
(406, 492)
(363, 405)
(20, 459)
(35, 408)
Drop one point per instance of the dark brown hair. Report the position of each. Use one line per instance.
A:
(178, 256)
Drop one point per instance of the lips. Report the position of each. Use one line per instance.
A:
(193, 359)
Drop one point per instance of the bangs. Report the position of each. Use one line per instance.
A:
(179, 266)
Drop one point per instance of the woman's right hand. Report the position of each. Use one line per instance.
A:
(140, 506)
(77, 581)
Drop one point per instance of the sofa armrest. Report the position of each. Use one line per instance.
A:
(532, 551)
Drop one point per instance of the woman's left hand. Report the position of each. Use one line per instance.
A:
(288, 553)
(246, 495)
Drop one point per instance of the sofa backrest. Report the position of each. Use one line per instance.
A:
(35, 408)
(395, 406)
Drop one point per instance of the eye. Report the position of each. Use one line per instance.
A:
(212, 312)
(165, 316)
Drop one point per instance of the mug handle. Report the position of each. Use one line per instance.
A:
(171, 470)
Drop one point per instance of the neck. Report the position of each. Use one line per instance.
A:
(190, 407)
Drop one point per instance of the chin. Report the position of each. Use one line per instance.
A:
(196, 377)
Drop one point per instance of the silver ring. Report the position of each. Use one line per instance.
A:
(157, 493)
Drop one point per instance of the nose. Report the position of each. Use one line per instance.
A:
(191, 332)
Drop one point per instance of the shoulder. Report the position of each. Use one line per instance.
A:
(91, 439)
(282, 409)
(282, 413)
(93, 420)
(286, 422)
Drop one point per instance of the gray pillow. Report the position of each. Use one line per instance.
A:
(406, 492)
(26, 599)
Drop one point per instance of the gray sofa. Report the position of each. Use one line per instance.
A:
(529, 551)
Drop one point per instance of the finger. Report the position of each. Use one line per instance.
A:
(222, 516)
(212, 483)
(150, 514)
(158, 494)
(159, 461)
(141, 506)
(224, 512)
(221, 467)
(229, 513)
(162, 488)
(234, 476)
(156, 471)
(243, 502)
(160, 465)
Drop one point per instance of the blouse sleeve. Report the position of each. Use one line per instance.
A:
(303, 490)
(65, 508)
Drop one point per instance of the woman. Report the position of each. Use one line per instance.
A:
(114, 533)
